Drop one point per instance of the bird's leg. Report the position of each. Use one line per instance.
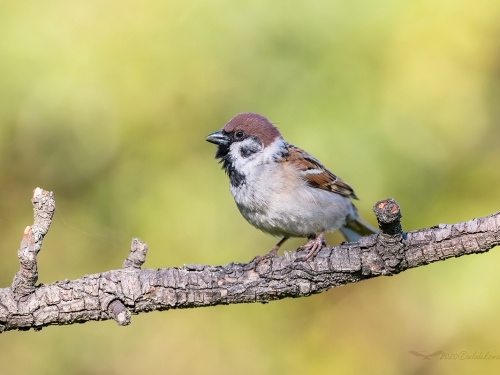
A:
(314, 245)
(273, 252)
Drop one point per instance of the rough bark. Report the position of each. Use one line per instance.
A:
(119, 293)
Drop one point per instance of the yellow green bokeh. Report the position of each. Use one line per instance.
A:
(107, 104)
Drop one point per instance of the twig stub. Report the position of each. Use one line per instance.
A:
(44, 207)
(119, 313)
(388, 216)
(137, 255)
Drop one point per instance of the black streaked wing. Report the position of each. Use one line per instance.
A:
(314, 173)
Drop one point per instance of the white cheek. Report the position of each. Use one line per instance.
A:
(263, 156)
(241, 163)
(259, 169)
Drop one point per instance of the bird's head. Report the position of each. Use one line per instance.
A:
(243, 140)
(248, 132)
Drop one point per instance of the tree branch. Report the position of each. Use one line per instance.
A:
(119, 293)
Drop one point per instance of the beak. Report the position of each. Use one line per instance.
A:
(217, 138)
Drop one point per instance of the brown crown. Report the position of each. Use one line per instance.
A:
(253, 124)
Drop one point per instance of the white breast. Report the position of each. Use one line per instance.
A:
(277, 201)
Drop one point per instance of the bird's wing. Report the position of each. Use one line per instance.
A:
(314, 173)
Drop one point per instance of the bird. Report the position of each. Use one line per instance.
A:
(281, 189)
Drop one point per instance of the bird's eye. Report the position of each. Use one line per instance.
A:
(238, 134)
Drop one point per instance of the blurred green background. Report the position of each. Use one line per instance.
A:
(107, 104)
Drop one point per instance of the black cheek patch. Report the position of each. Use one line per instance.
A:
(247, 151)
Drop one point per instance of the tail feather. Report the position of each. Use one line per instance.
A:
(356, 228)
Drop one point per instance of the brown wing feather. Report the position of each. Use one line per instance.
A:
(318, 176)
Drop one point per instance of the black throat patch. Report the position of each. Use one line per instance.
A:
(236, 178)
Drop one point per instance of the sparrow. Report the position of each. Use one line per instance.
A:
(281, 189)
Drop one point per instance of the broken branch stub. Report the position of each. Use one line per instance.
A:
(44, 207)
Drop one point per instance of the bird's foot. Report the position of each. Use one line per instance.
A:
(271, 254)
(314, 245)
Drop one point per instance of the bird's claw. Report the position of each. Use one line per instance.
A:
(271, 254)
(314, 245)
(260, 258)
